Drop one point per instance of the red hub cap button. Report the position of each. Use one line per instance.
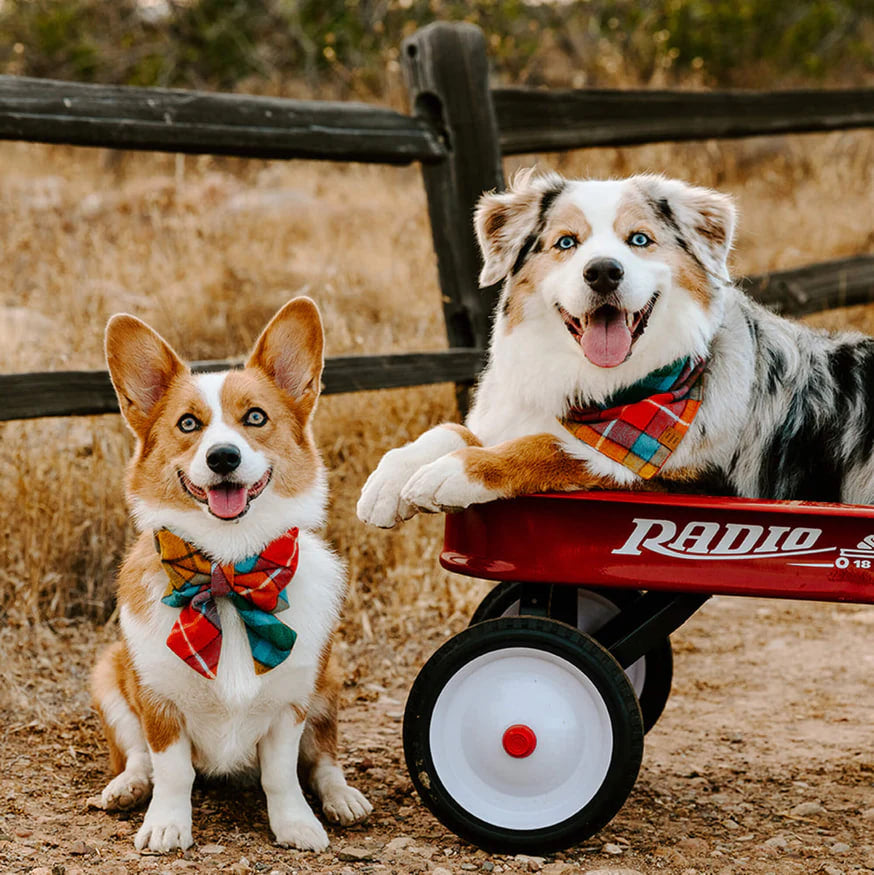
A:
(519, 740)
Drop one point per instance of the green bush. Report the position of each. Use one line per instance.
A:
(352, 45)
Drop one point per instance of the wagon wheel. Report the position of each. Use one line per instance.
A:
(523, 735)
(650, 675)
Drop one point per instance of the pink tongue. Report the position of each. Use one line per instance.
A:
(607, 341)
(227, 501)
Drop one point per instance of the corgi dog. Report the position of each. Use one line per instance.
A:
(229, 598)
(622, 356)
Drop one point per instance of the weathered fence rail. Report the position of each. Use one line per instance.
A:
(80, 393)
(167, 120)
(459, 131)
(544, 121)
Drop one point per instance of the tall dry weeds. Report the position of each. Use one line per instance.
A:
(207, 249)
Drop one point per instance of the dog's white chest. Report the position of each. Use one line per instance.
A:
(225, 717)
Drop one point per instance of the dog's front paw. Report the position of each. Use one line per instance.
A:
(445, 486)
(127, 790)
(304, 833)
(345, 805)
(165, 830)
(380, 503)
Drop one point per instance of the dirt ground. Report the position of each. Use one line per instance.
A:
(763, 762)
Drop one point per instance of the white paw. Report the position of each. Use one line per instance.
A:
(304, 833)
(381, 503)
(127, 790)
(345, 805)
(444, 486)
(165, 830)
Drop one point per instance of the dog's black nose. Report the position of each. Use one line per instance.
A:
(603, 275)
(223, 458)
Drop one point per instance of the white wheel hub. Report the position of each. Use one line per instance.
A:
(593, 612)
(556, 702)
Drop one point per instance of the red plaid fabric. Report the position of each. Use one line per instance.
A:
(641, 434)
(255, 586)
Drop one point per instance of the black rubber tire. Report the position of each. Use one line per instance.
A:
(582, 653)
(659, 661)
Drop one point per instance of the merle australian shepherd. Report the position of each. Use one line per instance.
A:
(623, 356)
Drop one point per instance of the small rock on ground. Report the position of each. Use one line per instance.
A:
(807, 809)
(352, 854)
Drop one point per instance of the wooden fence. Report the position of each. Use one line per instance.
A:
(459, 131)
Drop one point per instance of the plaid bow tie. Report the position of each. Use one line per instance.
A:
(255, 587)
(642, 425)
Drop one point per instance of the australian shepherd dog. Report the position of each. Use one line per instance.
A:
(622, 356)
(229, 598)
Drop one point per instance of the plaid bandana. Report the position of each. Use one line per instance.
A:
(255, 587)
(641, 426)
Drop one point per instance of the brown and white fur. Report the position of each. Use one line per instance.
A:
(164, 721)
(786, 412)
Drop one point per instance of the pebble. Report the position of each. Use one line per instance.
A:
(468, 867)
(425, 851)
(440, 870)
(488, 866)
(41, 870)
(560, 868)
(840, 848)
(613, 872)
(352, 854)
(831, 870)
(211, 849)
(777, 842)
(398, 844)
(610, 848)
(80, 849)
(528, 863)
(868, 814)
(807, 809)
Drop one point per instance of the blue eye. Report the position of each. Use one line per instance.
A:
(188, 423)
(567, 241)
(638, 238)
(256, 417)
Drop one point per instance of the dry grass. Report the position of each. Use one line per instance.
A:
(207, 249)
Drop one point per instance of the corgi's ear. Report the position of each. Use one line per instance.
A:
(291, 352)
(142, 366)
(505, 221)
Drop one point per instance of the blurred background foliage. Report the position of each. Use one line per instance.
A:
(349, 48)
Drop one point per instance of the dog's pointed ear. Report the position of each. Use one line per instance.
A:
(704, 219)
(142, 365)
(291, 352)
(504, 221)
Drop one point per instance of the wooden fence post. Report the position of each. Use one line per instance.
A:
(447, 76)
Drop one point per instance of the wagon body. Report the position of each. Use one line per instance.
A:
(676, 543)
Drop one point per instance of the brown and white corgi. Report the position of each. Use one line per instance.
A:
(229, 598)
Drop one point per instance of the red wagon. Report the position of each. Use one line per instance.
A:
(524, 733)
